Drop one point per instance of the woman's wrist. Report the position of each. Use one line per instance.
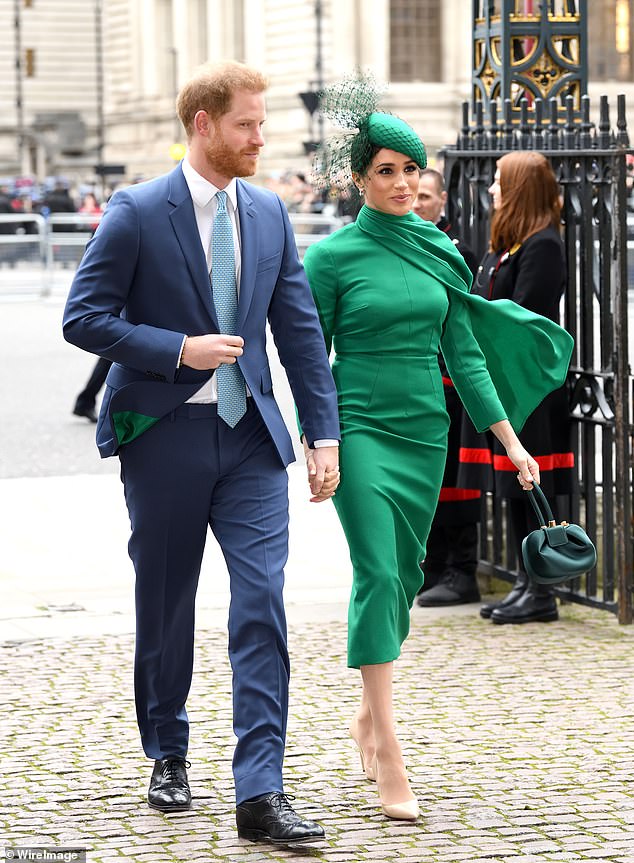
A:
(504, 432)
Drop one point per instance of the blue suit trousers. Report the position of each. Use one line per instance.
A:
(186, 473)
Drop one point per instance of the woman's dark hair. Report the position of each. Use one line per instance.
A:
(362, 153)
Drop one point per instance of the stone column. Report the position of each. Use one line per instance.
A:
(148, 66)
(456, 45)
(374, 37)
(254, 29)
(221, 33)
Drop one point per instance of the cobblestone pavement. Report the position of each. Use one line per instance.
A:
(519, 740)
(519, 743)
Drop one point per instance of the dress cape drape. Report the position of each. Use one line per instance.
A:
(527, 355)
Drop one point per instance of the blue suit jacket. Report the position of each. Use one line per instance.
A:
(143, 284)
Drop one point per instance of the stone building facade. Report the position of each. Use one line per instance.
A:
(97, 79)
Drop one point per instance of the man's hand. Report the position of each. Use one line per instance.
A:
(323, 471)
(211, 351)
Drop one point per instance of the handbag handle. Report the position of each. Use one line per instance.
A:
(541, 506)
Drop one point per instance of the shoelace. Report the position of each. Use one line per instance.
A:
(170, 768)
(281, 802)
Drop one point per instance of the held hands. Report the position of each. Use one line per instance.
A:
(323, 471)
(212, 350)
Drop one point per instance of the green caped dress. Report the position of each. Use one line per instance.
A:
(391, 291)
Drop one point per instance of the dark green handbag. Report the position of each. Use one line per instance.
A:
(555, 552)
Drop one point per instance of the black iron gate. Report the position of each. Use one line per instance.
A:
(590, 164)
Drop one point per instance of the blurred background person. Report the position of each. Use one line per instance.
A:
(6, 205)
(86, 402)
(90, 206)
(58, 199)
(429, 204)
(7, 250)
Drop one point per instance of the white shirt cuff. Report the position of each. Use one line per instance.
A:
(179, 362)
(325, 442)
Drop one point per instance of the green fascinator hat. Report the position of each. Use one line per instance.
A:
(386, 130)
(352, 104)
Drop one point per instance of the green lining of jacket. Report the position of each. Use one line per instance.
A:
(129, 425)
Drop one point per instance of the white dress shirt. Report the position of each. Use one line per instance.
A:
(205, 205)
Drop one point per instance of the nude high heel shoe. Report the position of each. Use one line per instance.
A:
(368, 769)
(405, 811)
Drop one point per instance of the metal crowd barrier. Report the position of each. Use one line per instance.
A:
(22, 253)
(311, 227)
(39, 256)
(67, 236)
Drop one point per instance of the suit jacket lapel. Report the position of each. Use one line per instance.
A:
(184, 223)
(248, 250)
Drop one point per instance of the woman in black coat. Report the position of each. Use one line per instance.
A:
(526, 263)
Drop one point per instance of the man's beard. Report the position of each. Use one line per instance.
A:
(227, 162)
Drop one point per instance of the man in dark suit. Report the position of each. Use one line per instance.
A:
(452, 546)
(189, 408)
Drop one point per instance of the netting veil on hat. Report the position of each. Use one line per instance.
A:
(352, 103)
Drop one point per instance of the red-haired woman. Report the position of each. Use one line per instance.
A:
(525, 263)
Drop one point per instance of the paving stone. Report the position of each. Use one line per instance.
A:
(517, 753)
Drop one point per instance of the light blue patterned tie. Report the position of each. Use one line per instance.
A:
(232, 396)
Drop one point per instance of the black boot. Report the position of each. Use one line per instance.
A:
(436, 556)
(521, 583)
(431, 580)
(536, 604)
(454, 588)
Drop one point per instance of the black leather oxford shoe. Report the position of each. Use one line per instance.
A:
(169, 788)
(271, 818)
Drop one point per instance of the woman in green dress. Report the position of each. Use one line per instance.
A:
(390, 290)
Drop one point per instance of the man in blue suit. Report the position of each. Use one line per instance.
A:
(176, 288)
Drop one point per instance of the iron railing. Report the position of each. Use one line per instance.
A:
(590, 164)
